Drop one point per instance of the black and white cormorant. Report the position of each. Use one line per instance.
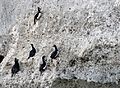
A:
(37, 15)
(32, 52)
(54, 54)
(43, 65)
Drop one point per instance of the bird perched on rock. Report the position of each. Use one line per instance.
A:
(37, 15)
(43, 65)
(32, 52)
(15, 68)
(54, 54)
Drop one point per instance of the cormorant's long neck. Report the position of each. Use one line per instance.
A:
(39, 10)
(43, 61)
(33, 47)
(16, 62)
(56, 48)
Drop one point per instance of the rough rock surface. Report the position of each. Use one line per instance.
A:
(86, 32)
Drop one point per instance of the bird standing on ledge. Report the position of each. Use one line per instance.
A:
(15, 67)
(54, 54)
(32, 52)
(43, 65)
(37, 15)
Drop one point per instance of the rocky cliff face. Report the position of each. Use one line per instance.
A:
(86, 33)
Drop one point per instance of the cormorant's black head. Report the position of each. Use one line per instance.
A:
(43, 58)
(54, 45)
(16, 60)
(31, 44)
